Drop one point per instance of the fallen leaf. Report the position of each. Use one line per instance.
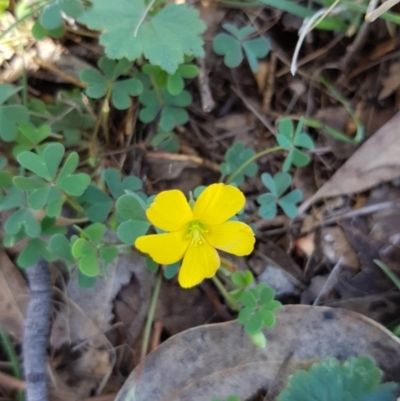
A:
(89, 311)
(390, 83)
(376, 161)
(13, 297)
(215, 361)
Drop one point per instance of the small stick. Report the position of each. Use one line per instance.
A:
(36, 332)
(207, 101)
(174, 157)
(11, 382)
(56, 71)
(156, 338)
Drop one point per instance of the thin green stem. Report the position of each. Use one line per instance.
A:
(389, 273)
(75, 205)
(150, 315)
(12, 357)
(251, 160)
(223, 291)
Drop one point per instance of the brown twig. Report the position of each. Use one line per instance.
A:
(207, 101)
(269, 87)
(156, 338)
(11, 382)
(174, 157)
(36, 332)
(56, 71)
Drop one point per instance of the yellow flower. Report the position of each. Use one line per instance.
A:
(195, 233)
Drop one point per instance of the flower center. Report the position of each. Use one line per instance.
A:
(195, 231)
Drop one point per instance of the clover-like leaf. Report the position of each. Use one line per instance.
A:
(258, 309)
(51, 17)
(166, 141)
(10, 116)
(278, 185)
(128, 32)
(45, 164)
(291, 140)
(30, 136)
(357, 379)
(233, 47)
(39, 32)
(131, 208)
(97, 204)
(175, 82)
(168, 107)
(121, 90)
(60, 246)
(237, 163)
(22, 219)
(118, 186)
(33, 251)
(91, 253)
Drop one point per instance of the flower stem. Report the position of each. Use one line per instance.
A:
(251, 160)
(232, 303)
(150, 315)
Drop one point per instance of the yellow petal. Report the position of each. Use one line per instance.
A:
(218, 203)
(170, 211)
(164, 248)
(232, 236)
(201, 261)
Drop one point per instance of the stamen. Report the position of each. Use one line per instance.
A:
(195, 231)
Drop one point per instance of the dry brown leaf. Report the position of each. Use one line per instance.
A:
(219, 360)
(376, 161)
(89, 312)
(13, 297)
(391, 83)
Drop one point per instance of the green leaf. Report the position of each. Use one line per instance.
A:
(97, 204)
(28, 183)
(89, 264)
(253, 325)
(126, 34)
(291, 140)
(85, 281)
(152, 266)
(7, 91)
(248, 299)
(117, 185)
(95, 232)
(254, 50)
(45, 166)
(61, 247)
(235, 157)
(74, 185)
(33, 134)
(277, 184)
(108, 254)
(130, 208)
(266, 295)
(122, 90)
(289, 201)
(35, 249)
(171, 271)
(51, 17)
(358, 379)
(10, 116)
(232, 47)
(98, 84)
(80, 247)
(267, 318)
(129, 231)
(245, 313)
(22, 219)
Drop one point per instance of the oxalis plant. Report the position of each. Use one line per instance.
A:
(62, 213)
